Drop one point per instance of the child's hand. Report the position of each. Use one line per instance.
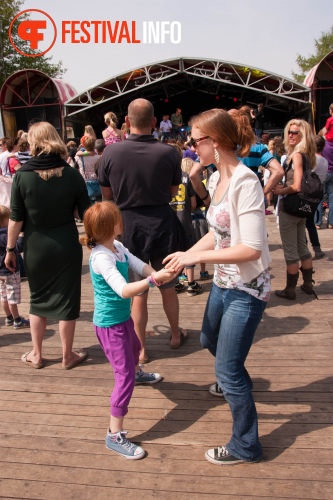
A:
(164, 275)
(10, 261)
(179, 260)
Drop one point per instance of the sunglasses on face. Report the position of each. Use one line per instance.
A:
(193, 142)
(293, 132)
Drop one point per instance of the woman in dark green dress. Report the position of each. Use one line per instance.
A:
(46, 194)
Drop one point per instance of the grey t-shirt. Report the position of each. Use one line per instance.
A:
(321, 167)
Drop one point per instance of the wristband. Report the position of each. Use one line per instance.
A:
(150, 282)
(205, 198)
(154, 281)
(10, 249)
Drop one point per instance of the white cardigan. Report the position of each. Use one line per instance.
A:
(246, 199)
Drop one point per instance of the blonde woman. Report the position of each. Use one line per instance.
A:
(88, 132)
(112, 134)
(44, 193)
(300, 145)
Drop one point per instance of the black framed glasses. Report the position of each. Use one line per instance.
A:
(293, 132)
(193, 142)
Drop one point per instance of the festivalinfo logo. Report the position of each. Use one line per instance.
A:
(40, 32)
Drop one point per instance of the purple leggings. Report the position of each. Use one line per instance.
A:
(122, 347)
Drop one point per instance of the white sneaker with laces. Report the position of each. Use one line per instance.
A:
(216, 390)
(221, 456)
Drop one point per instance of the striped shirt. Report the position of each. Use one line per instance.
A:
(259, 155)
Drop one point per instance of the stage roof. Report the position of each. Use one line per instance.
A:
(323, 71)
(191, 83)
(30, 88)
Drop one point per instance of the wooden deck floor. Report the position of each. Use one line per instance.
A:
(53, 422)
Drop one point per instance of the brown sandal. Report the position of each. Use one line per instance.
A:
(24, 359)
(183, 337)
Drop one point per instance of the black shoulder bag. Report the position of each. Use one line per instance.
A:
(306, 201)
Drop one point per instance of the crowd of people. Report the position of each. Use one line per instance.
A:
(190, 196)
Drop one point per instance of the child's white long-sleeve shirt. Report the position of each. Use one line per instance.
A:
(103, 262)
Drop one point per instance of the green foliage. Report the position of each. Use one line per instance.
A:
(10, 59)
(323, 46)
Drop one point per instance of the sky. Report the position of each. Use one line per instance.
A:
(258, 33)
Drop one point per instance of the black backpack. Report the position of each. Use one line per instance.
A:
(305, 202)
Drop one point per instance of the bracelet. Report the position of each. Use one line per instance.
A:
(10, 249)
(205, 198)
(150, 282)
(154, 281)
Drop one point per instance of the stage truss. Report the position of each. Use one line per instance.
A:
(172, 77)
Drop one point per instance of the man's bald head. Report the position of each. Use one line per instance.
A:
(141, 115)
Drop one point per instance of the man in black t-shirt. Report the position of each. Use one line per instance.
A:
(141, 175)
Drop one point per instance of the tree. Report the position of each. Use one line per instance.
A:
(10, 59)
(323, 45)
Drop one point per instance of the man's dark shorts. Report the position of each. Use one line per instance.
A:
(152, 233)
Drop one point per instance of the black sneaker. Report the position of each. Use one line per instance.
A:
(221, 456)
(195, 289)
(23, 323)
(180, 287)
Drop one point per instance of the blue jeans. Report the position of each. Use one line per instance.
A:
(258, 132)
(165, 136)
(230, 322)
(329, 191)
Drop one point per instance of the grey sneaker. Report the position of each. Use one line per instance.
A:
(221, 456)
(216, 390)
(23, 323)
(9, 322)
(195, 289)
(118, 443)
(142, 378)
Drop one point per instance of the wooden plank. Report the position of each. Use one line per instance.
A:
(158, 465)
(53, 422)
(164, 482)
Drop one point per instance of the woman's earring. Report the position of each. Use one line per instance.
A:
(216, 156)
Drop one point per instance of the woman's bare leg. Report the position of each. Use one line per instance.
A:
(67, 330)
(37, 327)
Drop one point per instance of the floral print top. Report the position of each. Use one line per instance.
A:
(227, 275)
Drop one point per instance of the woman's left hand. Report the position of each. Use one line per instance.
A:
(179, 260)
(278, 189)
(164, 275)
